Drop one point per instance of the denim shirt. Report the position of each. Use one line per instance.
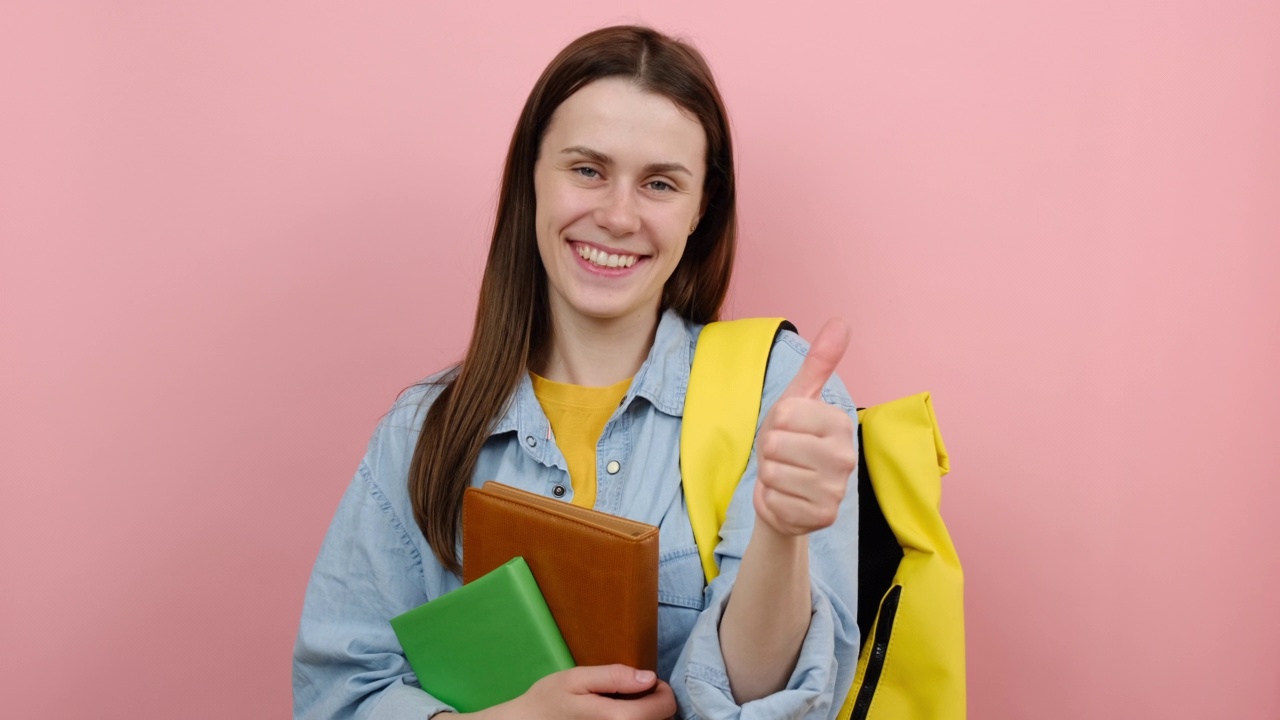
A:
(375, 563)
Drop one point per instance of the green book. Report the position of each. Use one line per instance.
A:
(486, 642)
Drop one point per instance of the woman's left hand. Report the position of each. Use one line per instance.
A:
(805, 451)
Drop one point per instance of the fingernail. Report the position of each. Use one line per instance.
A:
(644, 676)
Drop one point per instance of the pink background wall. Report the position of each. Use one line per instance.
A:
(231, 232)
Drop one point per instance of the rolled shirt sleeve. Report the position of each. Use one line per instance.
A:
(828, 656)
(347, 662)
(374, 564)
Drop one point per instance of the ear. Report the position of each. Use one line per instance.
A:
(703, 202)
(698, 218)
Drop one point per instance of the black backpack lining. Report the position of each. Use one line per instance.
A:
(879, 553)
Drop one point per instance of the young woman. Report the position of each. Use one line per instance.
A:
(613, 244)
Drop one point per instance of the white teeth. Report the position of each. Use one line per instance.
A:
(604, 259)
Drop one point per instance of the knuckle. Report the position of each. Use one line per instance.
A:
(785, 412)
(620, 674)
(830, 514)
(764, 468)
(770, 444)
(841, 489)
(767, 473)
(849, 461)
(766, 499)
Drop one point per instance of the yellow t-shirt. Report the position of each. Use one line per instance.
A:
(578, 415)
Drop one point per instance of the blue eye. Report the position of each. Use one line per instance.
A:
(587, 172)
(660, 186)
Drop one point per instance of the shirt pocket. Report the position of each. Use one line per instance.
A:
(680, 599)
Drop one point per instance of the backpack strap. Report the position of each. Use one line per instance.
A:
(721, 411)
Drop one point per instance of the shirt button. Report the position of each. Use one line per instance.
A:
(530, 441)
(558, 491)
(613, 467)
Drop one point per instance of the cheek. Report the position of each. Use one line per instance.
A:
(676, 230)
(679, 253)
(544, 203)
(547, 226)
(543, 229)
(553, 209)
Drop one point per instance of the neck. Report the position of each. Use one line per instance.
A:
(596, 353)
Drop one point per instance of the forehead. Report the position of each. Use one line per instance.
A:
(616, 118)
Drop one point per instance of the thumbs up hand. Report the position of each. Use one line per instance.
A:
(805, 451)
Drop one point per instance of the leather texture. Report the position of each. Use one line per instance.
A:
(598, 572)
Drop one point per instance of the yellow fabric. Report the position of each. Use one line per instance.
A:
(906, 460)
(922, 676)
(578, 415)
(729, 355)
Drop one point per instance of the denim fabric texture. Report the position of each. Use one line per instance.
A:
(375, 563)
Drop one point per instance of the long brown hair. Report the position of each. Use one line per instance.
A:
(513, 322)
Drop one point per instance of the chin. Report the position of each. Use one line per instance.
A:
(602, 312)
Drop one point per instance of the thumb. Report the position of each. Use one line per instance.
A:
(606, 679)
(824, 355)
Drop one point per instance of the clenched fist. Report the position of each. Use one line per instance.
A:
(805, 452)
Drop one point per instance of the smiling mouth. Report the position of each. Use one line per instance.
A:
(600, 258)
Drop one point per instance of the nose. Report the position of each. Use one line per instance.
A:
(618, 213)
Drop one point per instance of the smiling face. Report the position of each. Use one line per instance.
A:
(618, 182)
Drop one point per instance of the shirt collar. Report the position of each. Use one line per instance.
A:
(662, 380)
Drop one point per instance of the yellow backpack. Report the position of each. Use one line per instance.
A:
(910, 585)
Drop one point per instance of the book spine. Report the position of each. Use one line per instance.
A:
(545, 625)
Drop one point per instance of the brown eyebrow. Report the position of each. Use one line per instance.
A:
(599, 157)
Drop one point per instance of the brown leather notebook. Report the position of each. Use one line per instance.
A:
(598, 572)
